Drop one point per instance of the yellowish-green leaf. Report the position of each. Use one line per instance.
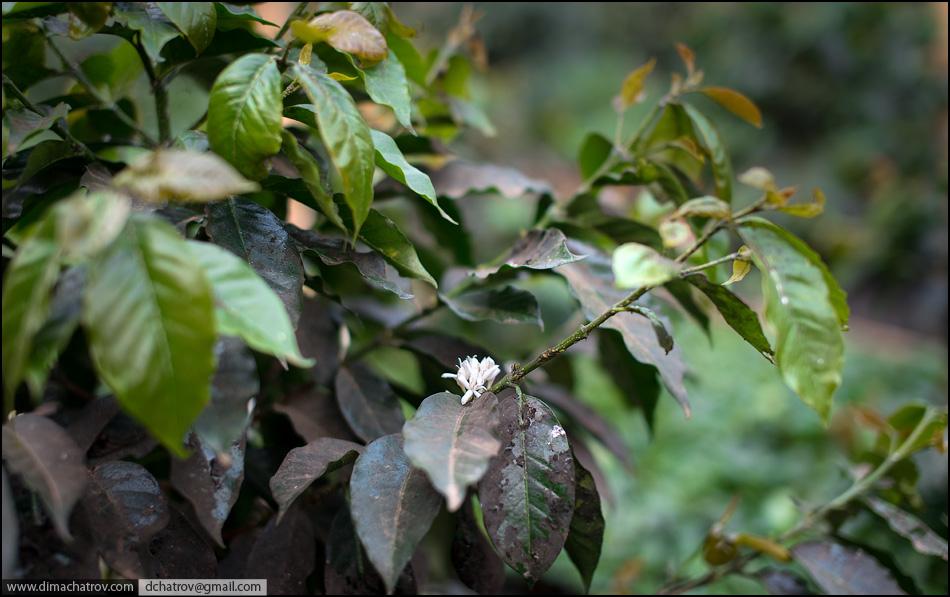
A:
(637, 265)
(758, 177)
(687, 56)
(631, 92)
(740, 269)
(346, 31)
(181, 175)
(736, 103)
(807, 210)
(675, 233)
(704, 207)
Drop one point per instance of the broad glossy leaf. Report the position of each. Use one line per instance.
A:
(391, 161)
(800, 305)
(736, 313)
(27, 288)
(149, 315)
(346, 31)
(527, 495)
(284, 554)
(538, 249)
(393, 506)
(595, 149)
(231, 16)
(840, 570)
(735, 102)
(245, 305)
(386, 84)
(346, 138)
(592, 284)
(708, 136)
(586, 535)
(235, 382)
(210, 480)
(459, 178)
(474, 558)
(367, 403)
(504, 305)
(49, 462)
(256, 235)
(636, 266)
(181, 175)
(154, 30)
(382, 234)
(302, 466)
(309, 170)
(244, 114)
(126, 507)
(453, 443)
(371, 265)
(197, 20)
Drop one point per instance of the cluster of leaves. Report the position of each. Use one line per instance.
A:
(162, 320)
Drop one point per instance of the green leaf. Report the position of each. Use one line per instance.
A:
(504, 305)
(840, 570)
(586, 536)
(50, 463)
(27, 288)
(592, 283)
(302, 466)
(382, 234)
(55, 333)
(663, 337)
(346, 138)
(346, 31)
(154, 30)
(391, 161)
(245, 305)
(595, 149)
(636, 381)
(684, 297)
(800, 305)
(538, 249)
(234, 16)
(309, 170)
(453, 443)
(393, 506)
(258, 236)
(721, 164)
(244, 114)
(703, 207)
(197, 20)
(737, 314)
(182, 175)
(636, 266)
(149, 315)
(527, 495)
(26, 125)
(367, 402)
(386, 84)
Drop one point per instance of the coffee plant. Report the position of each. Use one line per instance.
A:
(196, 387)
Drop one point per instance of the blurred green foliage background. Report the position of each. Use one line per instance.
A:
(854, 98)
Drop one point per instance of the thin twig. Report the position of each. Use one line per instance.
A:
(91, 89)
(160, 92)
(58, 127)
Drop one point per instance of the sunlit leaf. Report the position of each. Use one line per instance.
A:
(178, 175)
(386, 84)
(346, 31)
(154, 30)
(391, 161)
(197, 20)
(807, 210)
(310, 172)
(637, 265)
(704, 207)
(736, 103)
(631, 92)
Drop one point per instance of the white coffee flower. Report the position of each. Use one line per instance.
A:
(474, 376)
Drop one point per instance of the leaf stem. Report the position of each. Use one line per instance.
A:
(97, 95)
(160, 92)
(692, 270)
(59, 127)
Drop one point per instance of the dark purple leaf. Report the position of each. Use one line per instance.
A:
(319, 337)
(782, 582)
(474, 559)
(11, 530)
(235, 381)
(538, 249)
(527, 495)
(347, 571)
(314, 414)
(392, 504)
(841, 570)
(179, 551)
(586, 536)
(460, 178)
(92, 419)
(306, 464)
(367, 403)
(284, 554)
(50, 463)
